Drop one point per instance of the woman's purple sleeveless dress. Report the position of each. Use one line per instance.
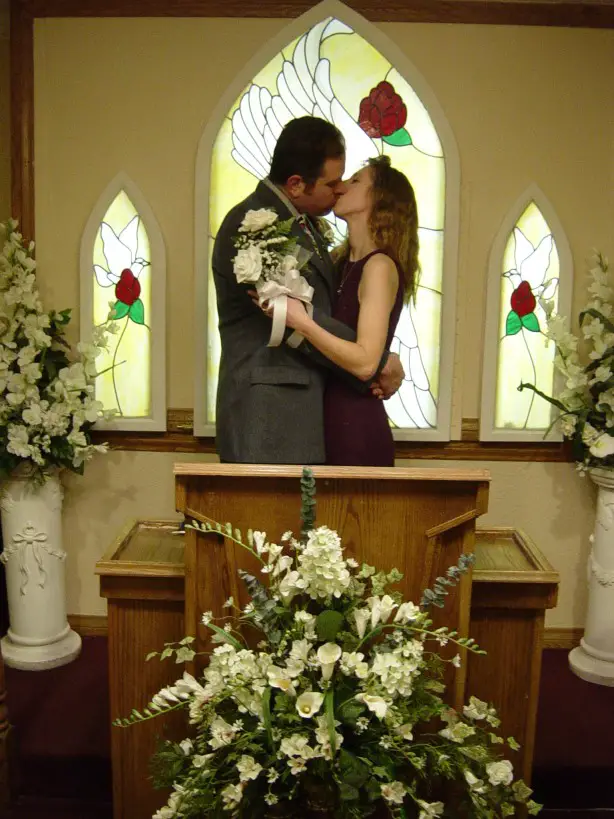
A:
(356, 425)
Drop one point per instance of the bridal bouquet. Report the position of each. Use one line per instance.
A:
(270, 259)
(47, 404)
(586, 362)
(338, 709)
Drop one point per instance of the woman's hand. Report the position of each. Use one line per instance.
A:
(295, 314)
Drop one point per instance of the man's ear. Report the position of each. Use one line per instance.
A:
(295, 186)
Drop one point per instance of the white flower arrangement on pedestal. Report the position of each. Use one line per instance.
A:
(47, 403)
(339, 708)
(586, 363)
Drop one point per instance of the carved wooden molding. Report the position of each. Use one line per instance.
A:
(493, 12)
(179, 437)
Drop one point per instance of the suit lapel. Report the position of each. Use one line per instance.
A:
(320, 257)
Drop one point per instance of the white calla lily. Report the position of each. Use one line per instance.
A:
(361, 618)
(328, 654)
(309, 703)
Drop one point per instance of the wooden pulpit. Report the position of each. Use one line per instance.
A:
(158, 583)
(416, 520)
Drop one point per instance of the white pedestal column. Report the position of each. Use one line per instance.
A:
(593, 660)
(39, 636)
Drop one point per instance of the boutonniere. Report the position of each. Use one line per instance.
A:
(326, 231)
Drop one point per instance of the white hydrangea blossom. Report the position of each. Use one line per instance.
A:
(322, 566)
(396, 669)
(47, 403)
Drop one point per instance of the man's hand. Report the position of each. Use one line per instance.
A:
(390, 378)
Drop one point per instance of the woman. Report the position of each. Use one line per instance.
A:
(378, 272)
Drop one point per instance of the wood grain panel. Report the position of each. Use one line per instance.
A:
(22, 118)
(509, 675)
(137, 627)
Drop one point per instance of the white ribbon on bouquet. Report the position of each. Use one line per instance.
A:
(275, 294)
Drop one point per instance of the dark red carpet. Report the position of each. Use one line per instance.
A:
(62, 728)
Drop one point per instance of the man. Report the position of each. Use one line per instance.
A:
(270, 399)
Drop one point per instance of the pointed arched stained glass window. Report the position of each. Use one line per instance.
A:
(123, 278)
(530, 273)
(333, 72)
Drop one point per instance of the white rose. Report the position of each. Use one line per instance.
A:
(255, 220)
(288, 264)
(500, 773)
(248, 265)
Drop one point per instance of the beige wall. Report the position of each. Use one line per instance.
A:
(526, 105)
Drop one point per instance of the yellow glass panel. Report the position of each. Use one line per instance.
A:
(530, 271)
(289, 86)
(122, 244)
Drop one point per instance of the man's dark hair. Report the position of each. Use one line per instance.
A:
(303, 147)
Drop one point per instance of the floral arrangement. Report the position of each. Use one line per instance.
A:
(338, 709)
(585, 361)
(47, 404)
(270, 259)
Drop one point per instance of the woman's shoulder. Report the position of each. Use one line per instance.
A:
(381, 264)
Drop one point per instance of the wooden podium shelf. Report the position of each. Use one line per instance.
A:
(146, 582)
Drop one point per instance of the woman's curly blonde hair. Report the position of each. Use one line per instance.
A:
(393, 221)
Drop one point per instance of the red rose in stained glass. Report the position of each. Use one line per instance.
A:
(523, 301)
(128, 288)
(383, 112)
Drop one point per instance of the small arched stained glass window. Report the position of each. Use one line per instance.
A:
(529, 275)
(123, 278)
(122, 272)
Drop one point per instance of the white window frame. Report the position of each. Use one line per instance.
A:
(371, 33)
(488, 430)
(156, 421)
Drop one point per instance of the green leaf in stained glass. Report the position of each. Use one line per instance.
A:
(530, 322)
(399, 139)
(120, 310)
(513, 323)
(137, 312)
